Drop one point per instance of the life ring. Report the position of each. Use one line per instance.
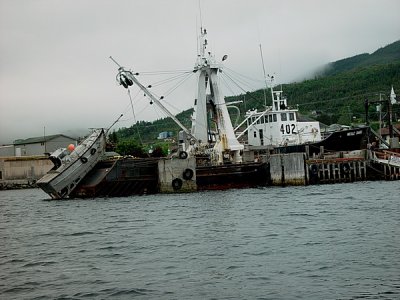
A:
(183, 155)
(84, 159)
(93, 151)
(345, 168)
(177, 184)
(187, 174)
(314, 169)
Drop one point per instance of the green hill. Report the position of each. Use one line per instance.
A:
(147, 132)
(335, 96)
(383, 55)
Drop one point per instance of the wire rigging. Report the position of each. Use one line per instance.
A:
(245, 76)
(224, 80)
(167, 80)
(134, 117)
(178, 84)
(235, 83)
(164, 72)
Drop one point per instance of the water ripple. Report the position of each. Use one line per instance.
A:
(318, 242)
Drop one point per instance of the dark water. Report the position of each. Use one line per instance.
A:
(319, 242)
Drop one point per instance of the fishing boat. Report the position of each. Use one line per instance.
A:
(278, 129)
(71, 167)
(211, 144)
(211, 141)
(211, 154)
(212, 132)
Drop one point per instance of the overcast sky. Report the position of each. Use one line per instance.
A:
(55, 71)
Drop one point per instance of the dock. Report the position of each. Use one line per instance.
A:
(337, 170)
(339, 167)
(127, 176)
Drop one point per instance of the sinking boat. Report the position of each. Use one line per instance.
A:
(70, 168)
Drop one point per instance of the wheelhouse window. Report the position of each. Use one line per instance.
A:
(275, 118)
(283, 117)
(291, 116)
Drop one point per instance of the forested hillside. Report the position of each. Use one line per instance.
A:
(335, 96)
(338, 98)
(384, 55)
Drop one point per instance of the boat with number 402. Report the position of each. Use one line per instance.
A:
(278, 129)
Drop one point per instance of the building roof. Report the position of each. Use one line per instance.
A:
(40, 139)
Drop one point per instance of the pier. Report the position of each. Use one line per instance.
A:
(340, 167)
(297, 169)
(125, 176)
(336, 170)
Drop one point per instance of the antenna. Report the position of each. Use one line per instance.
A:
(265, 78)
(115, 61)
(201, 19)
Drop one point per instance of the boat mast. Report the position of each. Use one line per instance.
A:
(200, 124)
(126, 78)
(226, 143)
(265, 78)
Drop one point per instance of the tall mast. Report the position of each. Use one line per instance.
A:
(265, 77)
(218, 131)
(208, 70)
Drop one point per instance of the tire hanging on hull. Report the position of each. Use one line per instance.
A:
(187, 174)
(177, 184)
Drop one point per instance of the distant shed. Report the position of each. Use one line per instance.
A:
(37, 145)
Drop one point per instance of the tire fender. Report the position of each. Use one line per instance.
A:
(187, 174)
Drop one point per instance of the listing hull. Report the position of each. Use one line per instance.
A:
(60, 182)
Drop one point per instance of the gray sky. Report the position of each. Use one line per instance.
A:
(55, 71)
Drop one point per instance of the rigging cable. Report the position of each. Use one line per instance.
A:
(235, 83)
(134, 117)
(178, 84)
(243, 90)
(239, 82)
(245, 76)
(170, 79)
(223, 79)
(164, 72)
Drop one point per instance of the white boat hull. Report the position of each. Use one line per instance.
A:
(59, 183)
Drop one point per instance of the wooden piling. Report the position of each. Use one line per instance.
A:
(336, 170)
